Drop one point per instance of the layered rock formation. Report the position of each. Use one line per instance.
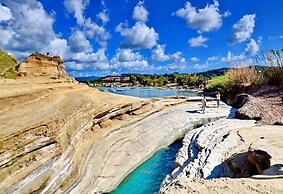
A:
(42, 65)
(58, 136)
(201, 159)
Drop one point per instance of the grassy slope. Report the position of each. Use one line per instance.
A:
(7, 65)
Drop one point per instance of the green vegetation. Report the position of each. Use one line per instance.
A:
(217, 84)
(162, 80)
(47, 57)
(237, 80)
(7, 65)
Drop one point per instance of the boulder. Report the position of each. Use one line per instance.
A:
(240, 100)
(246, 164)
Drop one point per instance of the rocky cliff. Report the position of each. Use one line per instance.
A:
(42, 65)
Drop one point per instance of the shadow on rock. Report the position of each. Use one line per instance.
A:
(247, 164)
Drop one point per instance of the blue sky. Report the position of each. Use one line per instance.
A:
(102, 37)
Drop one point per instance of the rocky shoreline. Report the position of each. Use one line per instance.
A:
(200, 162)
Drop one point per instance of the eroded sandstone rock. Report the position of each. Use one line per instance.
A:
(246, 164)
(42, 65)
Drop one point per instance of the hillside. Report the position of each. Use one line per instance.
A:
(7, 65)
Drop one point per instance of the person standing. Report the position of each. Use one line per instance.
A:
(218, 99)
(203, 104)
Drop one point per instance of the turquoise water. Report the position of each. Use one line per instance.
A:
(146, 92)
(146, 179)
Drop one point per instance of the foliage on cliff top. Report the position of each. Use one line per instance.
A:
(47, 57)
(8, 65)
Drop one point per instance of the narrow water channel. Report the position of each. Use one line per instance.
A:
(146, 179)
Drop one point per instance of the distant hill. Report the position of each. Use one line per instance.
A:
(90, 78)
(213, 73)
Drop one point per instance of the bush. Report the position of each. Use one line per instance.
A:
(7, 65)
(273, 76)
(245, 76)
(217, 84)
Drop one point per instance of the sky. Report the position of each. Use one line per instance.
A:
(110, 37)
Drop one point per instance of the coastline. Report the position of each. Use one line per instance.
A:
(200, 162)
(68, 134)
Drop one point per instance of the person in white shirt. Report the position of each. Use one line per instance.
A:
(218, 99)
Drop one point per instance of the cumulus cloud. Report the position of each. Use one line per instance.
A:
(194, 59)
(94, 31)
(90, 28)
(26, 27)
(140, 13)
(177, 57)
(126, 59)
(140, 36)
(59, 47)
(5, 13)
(243, 29)
(204, 20)
(126, 55)
(158, 54)
(77, 8)
(198, 41)
(103, 16)
(79, 43)
(252, 47)
(231, 57)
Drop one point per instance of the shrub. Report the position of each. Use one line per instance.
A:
(217, 84)
(245, 76)
(7, 65)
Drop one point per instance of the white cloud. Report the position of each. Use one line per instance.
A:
(93, 31)
(59, 47)
(204, 20)
(87, 61)
(177, 57)
(76, 7)
(6, 34)
(158, 54)
(126, 55)
(79, 43)
(103, 16)
(125, 59)
(91, 57)
(140, 13)
(213, 58)
(139, 36)
(232, 58)
(252, 47)
(200, 66)
(5, 13)
(29, 28)
(227, 14)
(198, 41)
(243, 29)
(194, 59)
